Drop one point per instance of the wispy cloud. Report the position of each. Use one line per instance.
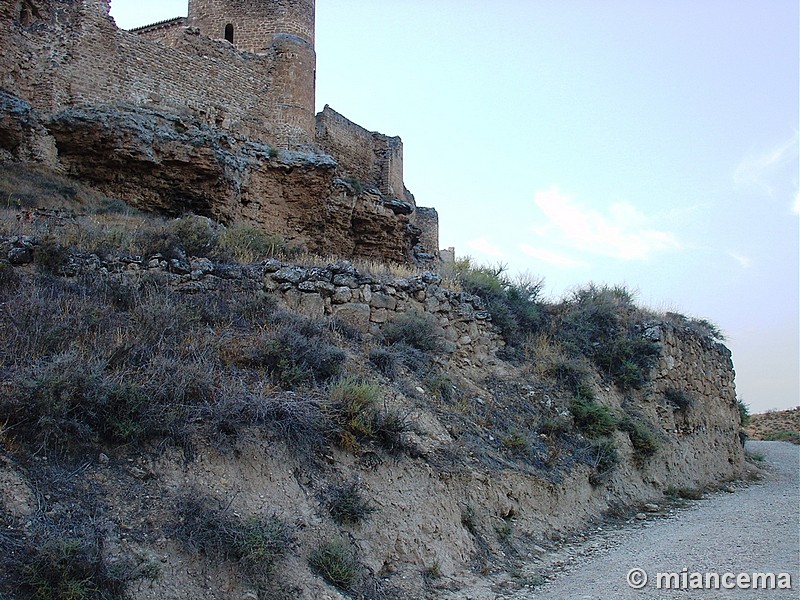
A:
(550, 257)
(621, 231)
(484, 246)
(796, 205)
(744, 261)
(766, 171)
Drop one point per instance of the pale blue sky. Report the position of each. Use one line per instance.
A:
(641, 142)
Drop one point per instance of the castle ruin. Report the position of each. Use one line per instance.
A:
(213, 113)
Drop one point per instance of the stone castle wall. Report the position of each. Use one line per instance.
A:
(253, 23)
(73, 54)
(68, 55)
(366, 156)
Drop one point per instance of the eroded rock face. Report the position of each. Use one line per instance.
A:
(168, 163)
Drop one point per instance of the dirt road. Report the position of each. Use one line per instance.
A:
(754, 530)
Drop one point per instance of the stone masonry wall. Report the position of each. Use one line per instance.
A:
(254, 22)
(168, 32)
(367, 156)
(72, 53)
(366, 303)
(693, 396)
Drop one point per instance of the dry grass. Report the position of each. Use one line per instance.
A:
(781, 425)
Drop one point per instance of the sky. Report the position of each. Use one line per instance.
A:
(639, 142)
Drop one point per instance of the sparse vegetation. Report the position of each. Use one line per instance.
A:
(353, 407)
(389, 359)
(504, 530)
(433, 572)
(684, 493)
(255, 543)
(680, 399)
(346, 504)
(469, 519)
(744, 412)
(414, 329)
(58, 561)
(517, 442)
(515, 304)
(644, 441)
(247, 244)
(106, 366)
(592, 419)
(337, 564)
(783, 436)
(601, 323)
(602, 456)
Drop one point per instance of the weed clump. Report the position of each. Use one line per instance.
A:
(592, 419)
(347, 505)
(680, 399)
(601, 323)
(337, 564)
(603, 456)
(248, 244)
(644, 441)
(56, 561)
(414, 329)
(515, 304)
(256, 543)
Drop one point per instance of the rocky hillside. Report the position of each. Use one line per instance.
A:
(193, 410)
(778, 425)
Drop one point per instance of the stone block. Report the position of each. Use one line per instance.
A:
(379, 315)
(312, 306)
(381, 300)
(342, 295)
(355, 315)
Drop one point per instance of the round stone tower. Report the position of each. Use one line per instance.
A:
(284, 28)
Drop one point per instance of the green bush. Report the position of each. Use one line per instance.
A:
(644, 441)
(602, 323)
(744, 412)
(196, 235)
(256, 543)
(515, 305)
(259, 544)
(296, 353)
(554, 426)
(440, 385)
(346, 504)
(353, 405)
(414, 329)
(113, 206)
(389, 359)
(517, 442)
(680, 399)
(592, 419)
(603, 455)
(50, 256)
(59, 565)
(337, 563)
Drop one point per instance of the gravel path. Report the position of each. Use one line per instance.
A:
(755, 529)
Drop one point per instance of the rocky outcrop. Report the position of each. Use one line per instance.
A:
(191, 123)
(169, 163)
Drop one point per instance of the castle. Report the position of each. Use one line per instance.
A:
(213, 113)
